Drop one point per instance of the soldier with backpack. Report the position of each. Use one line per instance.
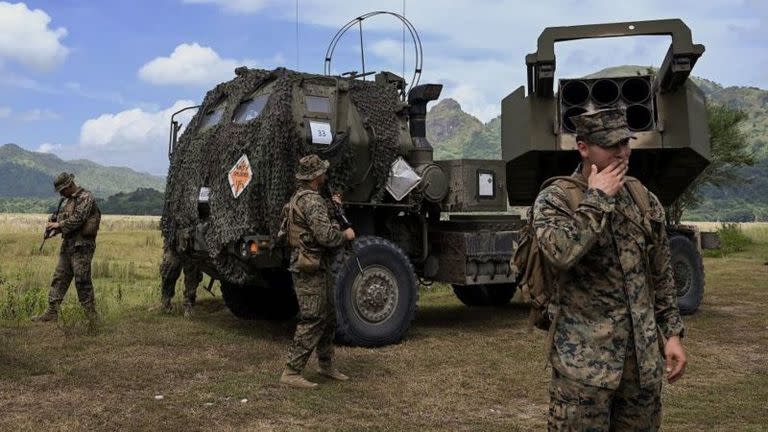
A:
(78, 222)
(312, 235)
(603, 287)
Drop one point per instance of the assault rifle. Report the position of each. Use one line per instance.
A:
(337, 211)
(50, 232)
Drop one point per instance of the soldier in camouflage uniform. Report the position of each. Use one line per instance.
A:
(78, 223)
(312, 236)
(170, 270)
(616, 327)
(175, 243)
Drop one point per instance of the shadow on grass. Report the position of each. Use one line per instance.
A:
(428, 317)
(475, 318)
(17, 362)
(214, 312)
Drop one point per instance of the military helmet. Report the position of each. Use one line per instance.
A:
(606, 127)
(310, 167)
(63, 181)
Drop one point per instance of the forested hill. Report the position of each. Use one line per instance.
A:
(28, 174)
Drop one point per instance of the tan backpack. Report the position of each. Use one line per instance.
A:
(535, 277)
(307, 260)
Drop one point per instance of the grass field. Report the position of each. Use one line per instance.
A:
(457, 369)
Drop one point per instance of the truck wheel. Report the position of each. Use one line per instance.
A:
(274, 300)
(485, 295)
(375, 307)
(688, 270)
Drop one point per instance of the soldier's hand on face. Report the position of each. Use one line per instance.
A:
(349, 233)
(674, 359)
(336, 198)
(610, 180)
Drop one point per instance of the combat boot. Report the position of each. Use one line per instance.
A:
(332, 373)
(50, 314)
(91, 316)
(165, 305)
(294, 379)
(187, 310)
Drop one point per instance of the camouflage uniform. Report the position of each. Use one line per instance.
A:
(170, 270)
(614, 301)
(311, 232)
(78, 222)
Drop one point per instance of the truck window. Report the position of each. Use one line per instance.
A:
(212, 118)
(249, 109)
(318, 104)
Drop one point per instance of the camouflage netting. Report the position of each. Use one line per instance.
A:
(273, 147)
(378, 106)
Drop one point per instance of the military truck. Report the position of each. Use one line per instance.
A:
(418, 220)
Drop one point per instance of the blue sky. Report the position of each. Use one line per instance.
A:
(98, 80)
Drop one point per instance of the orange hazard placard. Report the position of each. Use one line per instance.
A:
(240, 175)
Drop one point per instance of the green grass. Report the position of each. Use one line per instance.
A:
(458, 368)
(732, 240)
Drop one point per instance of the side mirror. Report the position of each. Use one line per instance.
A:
(175, 127)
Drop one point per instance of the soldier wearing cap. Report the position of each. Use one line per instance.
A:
(615, 328)
(312, 236)
(78, 222)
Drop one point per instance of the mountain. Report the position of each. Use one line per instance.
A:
(458, 135)
(28, 174)
(142, 201)
(745, 203)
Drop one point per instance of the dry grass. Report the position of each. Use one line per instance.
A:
(23, 222)
(458, 369)
(758, 230)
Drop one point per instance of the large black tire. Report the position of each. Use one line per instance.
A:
(485, 295)
(375, 307)
(274, 300)
(688, 273)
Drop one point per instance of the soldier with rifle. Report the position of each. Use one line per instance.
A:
(78, 223)
(312, 236)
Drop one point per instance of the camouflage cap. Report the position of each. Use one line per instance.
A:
(311, 166)
(605, 128)
(63, 180)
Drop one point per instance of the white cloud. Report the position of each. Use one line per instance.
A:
(27, 38)
(38, 114)
(32, 115)
(477, 96)
(244, 6)
(191, 64)
(106, 96)
(389, 48)
(48, 148)
(137, 138)
(133, 130)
